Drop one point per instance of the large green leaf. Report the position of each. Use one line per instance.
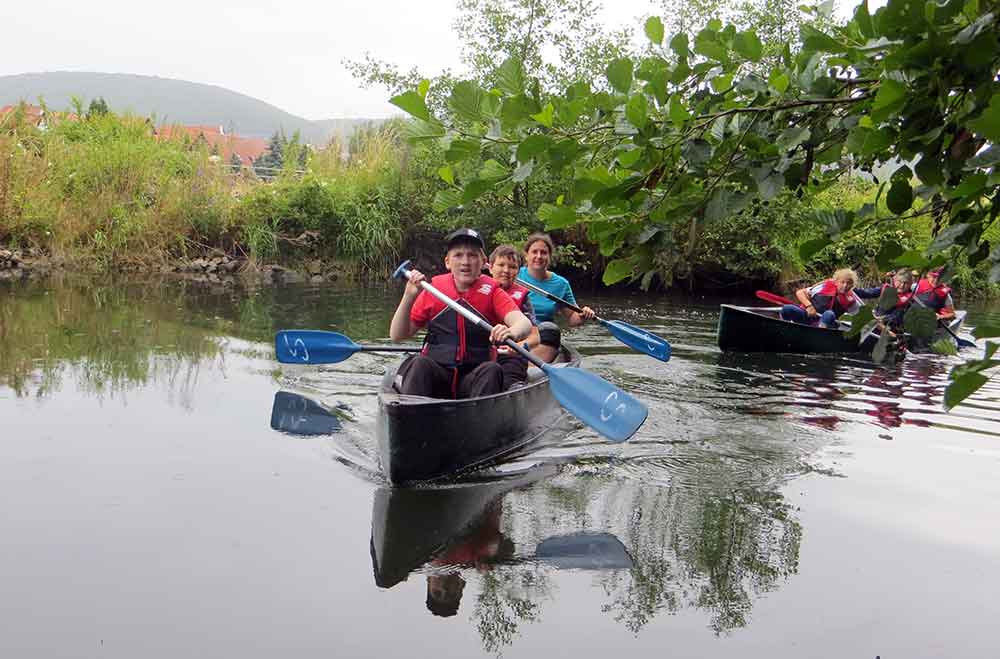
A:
(811, 247)
(422, 130)
(619, 74)
(950, 236)
(636, 111)
(533, 146)
(493, 171)
(887, 254)
(900, 197)
(679, 44)
(466, 101)
(546, 116)
(707, 43)
(461, 150)
(986, 331)
(618, 270)
(962, 387)
(814, 40)
(791, 137)
(413, 104)
(556, 217)
(920, 322)
(445, 199)
(510, 76)
(988, 123)
(678, 113)
(654, 29)
(748, 46)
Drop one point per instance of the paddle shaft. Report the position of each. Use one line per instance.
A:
(775, 298)
(551, 296)
(478, 321)
(371, 348)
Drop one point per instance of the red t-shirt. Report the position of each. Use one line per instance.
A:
(485, 296)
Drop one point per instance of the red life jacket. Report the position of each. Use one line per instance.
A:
(519, 294)
(828, 298)
(933, 297)
(451, 340)
(904, 298)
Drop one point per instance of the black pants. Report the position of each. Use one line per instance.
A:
(422, 376)
(514, 367)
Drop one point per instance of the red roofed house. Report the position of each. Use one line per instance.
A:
(33, 114)
(247, 148)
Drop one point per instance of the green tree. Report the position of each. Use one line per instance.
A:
(97, 107)
(693, 131)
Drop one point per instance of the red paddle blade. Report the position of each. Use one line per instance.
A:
(775, 298)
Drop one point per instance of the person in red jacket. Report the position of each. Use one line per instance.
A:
(826, 301)
(458, 359)
(931, 293)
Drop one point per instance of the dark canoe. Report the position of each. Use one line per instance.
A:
(423, 439)
(760, 329)
(411, 526)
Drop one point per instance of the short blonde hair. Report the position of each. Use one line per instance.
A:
(848, 274)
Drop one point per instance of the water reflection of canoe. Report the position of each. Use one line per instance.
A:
(760, 329)
(422, 439)
(411, 526)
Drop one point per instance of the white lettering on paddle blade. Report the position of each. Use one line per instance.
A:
(609, 409)
(293, 348)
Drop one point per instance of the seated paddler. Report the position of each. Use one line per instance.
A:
(902, 281)
(458, 359)
(934, 295)
(505, 261)
(826, 301)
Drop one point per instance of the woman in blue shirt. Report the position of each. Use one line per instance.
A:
(537, 257)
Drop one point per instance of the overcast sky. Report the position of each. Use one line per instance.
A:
(286, 52)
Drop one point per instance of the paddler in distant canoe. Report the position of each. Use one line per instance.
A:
(902, 281)
(458, 359)
(825, 301)
(934, 295)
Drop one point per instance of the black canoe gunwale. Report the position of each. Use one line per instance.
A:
(427, 439)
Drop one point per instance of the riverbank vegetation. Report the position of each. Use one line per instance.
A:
(104, 191)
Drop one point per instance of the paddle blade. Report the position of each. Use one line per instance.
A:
(595, 401)
(639, 339)
(299, 415)
(312, 347)
(774, 298)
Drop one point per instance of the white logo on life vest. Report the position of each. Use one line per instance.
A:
(609, 409)
(485, 289)
(516, 295)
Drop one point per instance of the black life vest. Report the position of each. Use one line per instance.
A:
(933, 297)
(453, 341)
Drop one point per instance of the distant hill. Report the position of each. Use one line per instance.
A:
(171, 101)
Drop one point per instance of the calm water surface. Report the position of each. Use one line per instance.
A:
(770, 507)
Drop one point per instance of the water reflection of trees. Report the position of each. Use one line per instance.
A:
(712, 549)
(113, 335)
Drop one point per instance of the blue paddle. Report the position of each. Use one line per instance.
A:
(634, 337)
(590, 398)
(319, 347)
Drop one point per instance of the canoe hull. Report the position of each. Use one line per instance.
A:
(750, 329)
(424, 439)
(744, 329)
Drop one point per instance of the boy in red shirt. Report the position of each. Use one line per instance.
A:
(459, 358)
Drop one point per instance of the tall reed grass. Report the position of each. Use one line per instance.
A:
(105, 189)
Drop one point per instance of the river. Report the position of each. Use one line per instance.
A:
(771, 506)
